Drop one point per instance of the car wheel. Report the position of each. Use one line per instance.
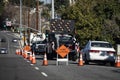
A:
(112, 63)
(74, 58)
(50, 56)
(86, 61)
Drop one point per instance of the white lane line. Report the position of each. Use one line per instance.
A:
(36, 68)
(44, 74)
(28, 61)
(31, 64)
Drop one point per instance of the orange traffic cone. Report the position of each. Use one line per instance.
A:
(25, 55)
(17, 51)
(117, 62)
(45, 61)
(33, 61)
(20, 51)
(80, 62)
(30, 57)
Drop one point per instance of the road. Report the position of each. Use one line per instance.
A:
(15, 67)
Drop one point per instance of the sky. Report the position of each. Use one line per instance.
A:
(46, 1)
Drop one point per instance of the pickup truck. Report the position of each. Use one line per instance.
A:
(39, 47)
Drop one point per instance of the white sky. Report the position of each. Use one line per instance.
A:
(46, 1)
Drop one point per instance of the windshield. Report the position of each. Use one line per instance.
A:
(106, 45)
(41, 42)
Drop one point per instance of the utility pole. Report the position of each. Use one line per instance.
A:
(28, 27)
(52, 9)
(20, 18)
(71, 2)
(37, 14)
(24, 27)
(40, 20)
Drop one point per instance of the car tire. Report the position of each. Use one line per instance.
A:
(86, 61)
(112, 63)
(74, 58)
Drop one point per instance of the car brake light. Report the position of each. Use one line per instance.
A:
(111, 52)
(94, 51)
(71, 47)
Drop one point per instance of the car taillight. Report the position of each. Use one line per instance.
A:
(71, 47)
(113, 52)
(94, 51)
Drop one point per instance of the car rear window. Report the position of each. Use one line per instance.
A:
(106, 45)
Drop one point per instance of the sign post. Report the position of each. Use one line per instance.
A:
(118, 49)
(62, 54)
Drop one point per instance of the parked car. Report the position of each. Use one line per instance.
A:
(3, 51)
(14, 40)
(0, 39)
(39, 47)
(3, 40)
(99, 51)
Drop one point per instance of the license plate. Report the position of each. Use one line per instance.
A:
(103, 53)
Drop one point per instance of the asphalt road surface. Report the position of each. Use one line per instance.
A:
(15, 67)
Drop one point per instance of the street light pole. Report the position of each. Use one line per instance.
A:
(20, 18)
(28, 26)
(37, 15)
(52, 9)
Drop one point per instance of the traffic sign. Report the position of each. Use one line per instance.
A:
(118, 49)
(63, 51)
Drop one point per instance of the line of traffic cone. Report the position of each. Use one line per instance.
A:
(80, 61)
(45, 61)
(33, 61)
(117, 62)
(31, 56)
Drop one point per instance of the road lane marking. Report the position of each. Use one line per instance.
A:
(44, 74)
(31, 64)
(28, 61)
(24, 59)
(36, 68)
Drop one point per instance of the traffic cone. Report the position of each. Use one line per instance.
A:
(17, 51)
(21, 51)
(33, 61)
(25, 55)
(30, 57)
(80, 62)
(117, 62)
(45, 61)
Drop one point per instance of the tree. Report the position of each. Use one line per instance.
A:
(95, 20)
(60, 6)
(1, 6)
(1, 11)
(108, 12)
